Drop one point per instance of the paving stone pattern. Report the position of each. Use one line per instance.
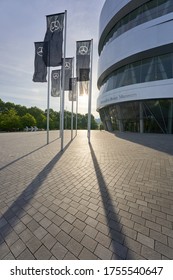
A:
(112, 199)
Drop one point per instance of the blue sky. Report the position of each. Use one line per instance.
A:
(22, 23)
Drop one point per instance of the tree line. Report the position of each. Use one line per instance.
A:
(16, 117)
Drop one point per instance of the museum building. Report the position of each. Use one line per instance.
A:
(135, 67)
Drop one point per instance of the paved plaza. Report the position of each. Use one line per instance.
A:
(112, 199)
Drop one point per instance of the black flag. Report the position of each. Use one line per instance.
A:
(40, 69)
(68, 72)
(73, 89)
(83, 50)
(83, 75)
(56, 83)
(53, 40)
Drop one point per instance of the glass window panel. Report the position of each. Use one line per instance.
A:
(124, 24)
(135, 17)
(114, 32)
(161, 5)
(102, 89)
(144, 69)
(151, 75)
(124, 79)
(115, 81)
(132, 76)
(164, 66)
(129, 76)
(111, 34)
(151, 69)
(164, 7)
(118, 29)
(110, 83)
(170, 6)
(137, 71)
(150, 11)
(106, 85)
(120, 77)
(148, 70)
(140, 13)
(144, 13)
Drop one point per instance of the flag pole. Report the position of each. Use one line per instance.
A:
(60, 116)
(60, 110)
(63, 84)
(90, 96)
(76, 106)
(72, 117)
(48, 102)
(72, 87)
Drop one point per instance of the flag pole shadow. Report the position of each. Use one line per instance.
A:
(118, 242)
(41, 147)
(10, 163)
(12, 215)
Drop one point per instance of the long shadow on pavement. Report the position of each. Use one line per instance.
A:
(18, 206)
(159, 142)
(118, 243)
(10, 163)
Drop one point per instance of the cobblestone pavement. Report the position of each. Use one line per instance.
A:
(112, 199)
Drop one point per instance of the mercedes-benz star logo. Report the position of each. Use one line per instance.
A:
(55, 76)
(83, 50)
(55, 25)
(40, 51)
(67, 65)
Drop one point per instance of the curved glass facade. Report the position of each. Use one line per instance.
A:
(156, 116)
(135, 72)
(146, 70)
(146, 12)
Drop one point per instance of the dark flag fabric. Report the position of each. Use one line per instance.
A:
(56, 83)
(53, 40)
(73, 89)
(83, 50)
(68, 72)
(40, 69)
(84, 75)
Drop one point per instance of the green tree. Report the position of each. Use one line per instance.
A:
(21, 110)
(9, 105)
(23, 117)
(28, 120)
(85, 121)
(1, 121)
(2, 106)
(80, 122)
(67, 120)
(94, 124)
(10, 121)
(54, 119)
(37, 114)
(34, 111)
(41, 121)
